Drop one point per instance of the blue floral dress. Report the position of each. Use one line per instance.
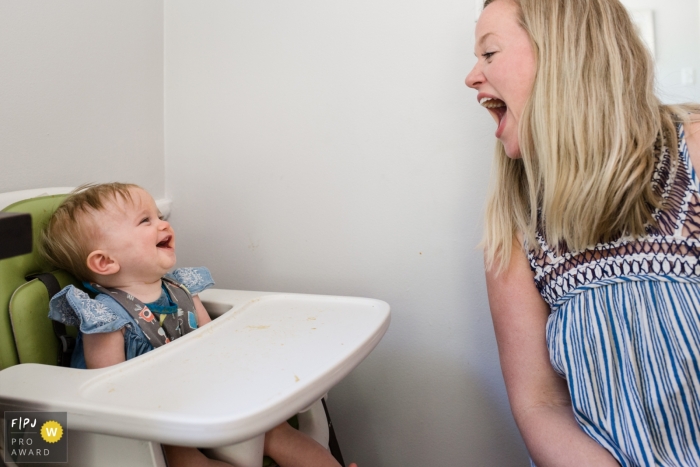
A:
(624, 328)
(102, 314)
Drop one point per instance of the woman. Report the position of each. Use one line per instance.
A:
(592, 239)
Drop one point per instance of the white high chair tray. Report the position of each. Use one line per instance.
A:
(267, 358)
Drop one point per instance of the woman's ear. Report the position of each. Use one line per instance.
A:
(102, 264)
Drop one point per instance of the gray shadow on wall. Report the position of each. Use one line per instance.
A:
(439, 414)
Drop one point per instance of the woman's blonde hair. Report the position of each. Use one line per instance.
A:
(66, 240)
(587, 133)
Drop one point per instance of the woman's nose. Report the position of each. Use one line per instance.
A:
(475, 77)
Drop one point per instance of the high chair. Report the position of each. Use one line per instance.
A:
(264, 358)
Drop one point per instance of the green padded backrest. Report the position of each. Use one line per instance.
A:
(26, 333)
(35, 339)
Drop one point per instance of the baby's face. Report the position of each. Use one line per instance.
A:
(133, 234)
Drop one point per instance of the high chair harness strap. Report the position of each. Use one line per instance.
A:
(66, 342)
(165, 328)
(333, 445)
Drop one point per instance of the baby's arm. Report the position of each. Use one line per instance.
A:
(107, 348)
(202, 315)
(103, 349)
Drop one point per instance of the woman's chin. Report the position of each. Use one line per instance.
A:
(510, 143)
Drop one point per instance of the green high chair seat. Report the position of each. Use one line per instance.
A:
(26, 332)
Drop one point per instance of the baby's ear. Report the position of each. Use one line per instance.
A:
(102, 264)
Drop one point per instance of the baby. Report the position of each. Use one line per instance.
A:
(113, 238)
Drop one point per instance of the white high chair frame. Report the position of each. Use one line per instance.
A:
(266, 357)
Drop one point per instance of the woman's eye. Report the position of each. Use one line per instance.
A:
(488, 55)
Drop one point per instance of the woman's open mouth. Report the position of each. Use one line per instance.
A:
(497, 108)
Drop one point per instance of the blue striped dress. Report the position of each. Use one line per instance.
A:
(624, 328)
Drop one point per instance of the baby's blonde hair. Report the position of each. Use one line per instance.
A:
(65, 241)
(587, 134)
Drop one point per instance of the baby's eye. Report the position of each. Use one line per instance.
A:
(488, 55)
(145, 219)
(161, 217)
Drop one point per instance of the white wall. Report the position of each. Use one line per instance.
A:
(81, 93)
(332, 148)
(677, 46)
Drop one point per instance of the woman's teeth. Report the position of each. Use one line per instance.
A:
(491, 102)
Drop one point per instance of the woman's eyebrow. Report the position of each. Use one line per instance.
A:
(483, 38)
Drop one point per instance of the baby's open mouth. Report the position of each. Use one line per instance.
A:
(165, 243)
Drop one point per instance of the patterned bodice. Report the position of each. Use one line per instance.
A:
(670, 249)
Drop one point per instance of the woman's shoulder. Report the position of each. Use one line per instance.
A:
(74, 307)
(194, 279)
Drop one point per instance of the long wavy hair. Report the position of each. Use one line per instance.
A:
(587, 134)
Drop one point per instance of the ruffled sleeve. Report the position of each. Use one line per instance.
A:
(74, 307)
(194, 279)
